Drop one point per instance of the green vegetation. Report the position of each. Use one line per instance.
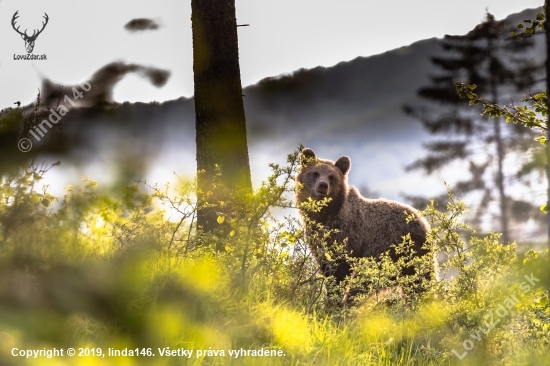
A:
(534, 115)
(91, 270)
(485, 56)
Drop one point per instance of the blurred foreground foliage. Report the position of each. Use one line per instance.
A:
(95, 271)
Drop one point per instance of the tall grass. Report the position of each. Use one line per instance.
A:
(97, 271)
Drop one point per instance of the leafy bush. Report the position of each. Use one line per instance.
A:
(96, 271)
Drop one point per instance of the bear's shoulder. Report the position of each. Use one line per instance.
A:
(376, 205)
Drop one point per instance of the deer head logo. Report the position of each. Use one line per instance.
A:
(29, 40)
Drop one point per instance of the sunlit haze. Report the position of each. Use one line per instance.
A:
(283, 36)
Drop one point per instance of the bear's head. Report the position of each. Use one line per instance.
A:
(321, 178)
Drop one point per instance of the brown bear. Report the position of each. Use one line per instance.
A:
(366, 227)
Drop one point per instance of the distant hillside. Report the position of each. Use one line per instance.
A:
(359, 98)
(352, 108)
(362, 98)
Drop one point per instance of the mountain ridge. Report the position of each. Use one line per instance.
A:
(352, 108)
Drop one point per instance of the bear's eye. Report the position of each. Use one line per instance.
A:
(315, 175)
(331, 177)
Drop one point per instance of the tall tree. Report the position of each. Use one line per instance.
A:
(485, 57)
(541, 21)
(220, 118)
(546, 27)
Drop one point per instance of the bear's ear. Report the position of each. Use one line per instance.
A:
(308, 156)
(344, 164)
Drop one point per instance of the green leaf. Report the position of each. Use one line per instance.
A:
(512, 34)
(544, 208)
(221, 219)
(542, 140)
(520, 26)
(45, 202)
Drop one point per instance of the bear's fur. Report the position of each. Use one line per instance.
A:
(370, 226)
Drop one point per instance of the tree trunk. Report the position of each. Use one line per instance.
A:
(500, 182)
(500, 174)
(219, 111)
(547, 28)
(500, 156)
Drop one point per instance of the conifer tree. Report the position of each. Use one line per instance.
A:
(488, 58)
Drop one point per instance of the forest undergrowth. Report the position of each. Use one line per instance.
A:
(103, 273)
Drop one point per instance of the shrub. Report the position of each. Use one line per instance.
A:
(96, 270)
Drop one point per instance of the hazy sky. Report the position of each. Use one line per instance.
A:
(284, 35)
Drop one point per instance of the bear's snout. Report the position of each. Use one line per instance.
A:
(322, 189)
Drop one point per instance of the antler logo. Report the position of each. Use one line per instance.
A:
(29, 40)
